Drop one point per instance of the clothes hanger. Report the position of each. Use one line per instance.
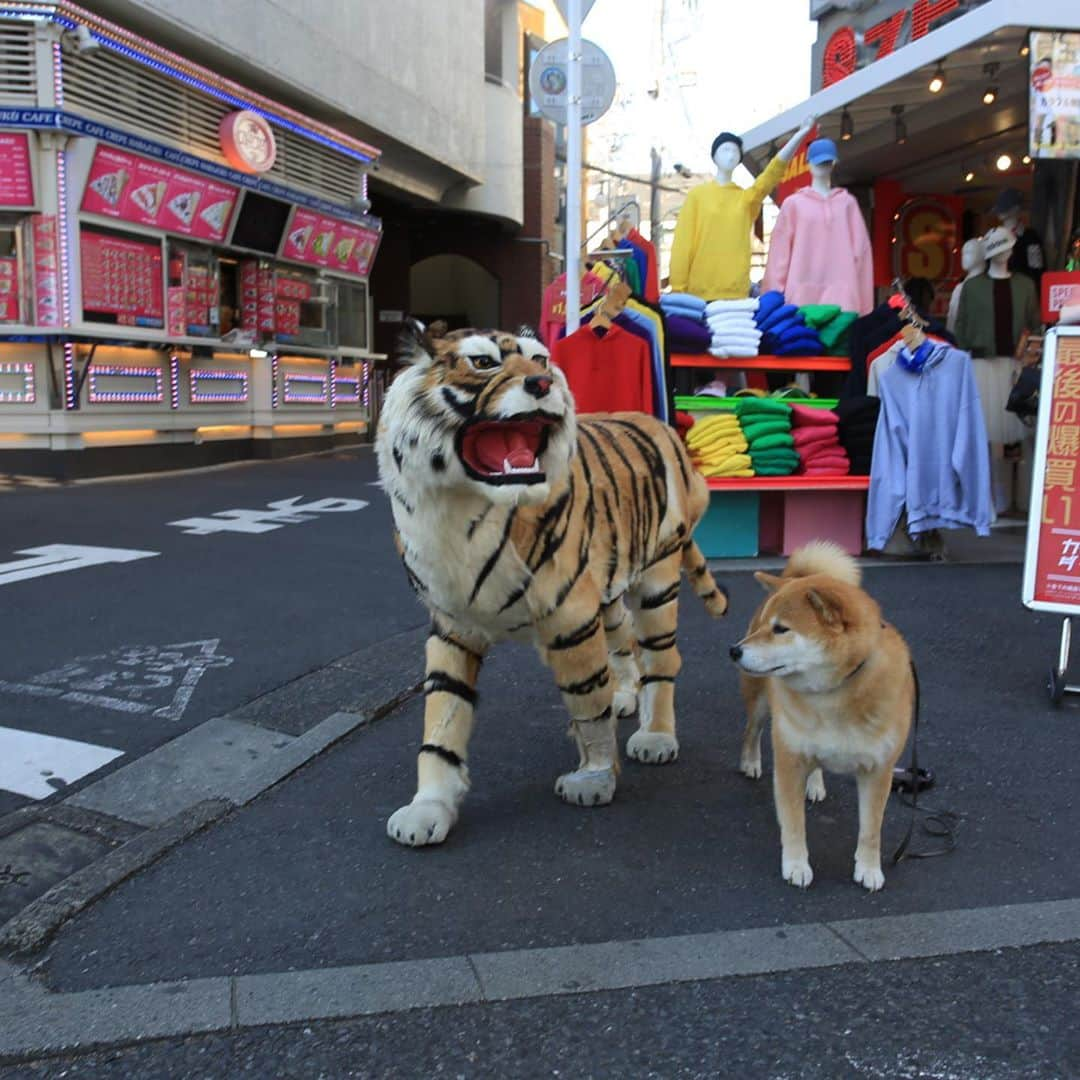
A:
(611, 303)
(913, 330)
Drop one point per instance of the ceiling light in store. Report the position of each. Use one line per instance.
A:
(1024, 47)
(847, 126)
(969, 176)
(1003, 163)
(258, 354)
(937, 81)
(1026, 159)
(991, 92)
(900, 126)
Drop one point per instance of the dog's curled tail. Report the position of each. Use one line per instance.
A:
(823, 557)
(715, 597)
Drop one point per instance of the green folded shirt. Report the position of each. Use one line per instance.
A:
(832, 334)
(749, 405)
(779, 456)
(765, 427)
(774, 470)
(819, 315)
(770, 442)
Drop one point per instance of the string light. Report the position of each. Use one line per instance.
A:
(366, 368)
(332, 383)
(174, 381)
(69, 376)
(294, 398)
(275, 399)
(351, 398)
(27, 395)
(937, 80)
(200, 397)
(125, 397)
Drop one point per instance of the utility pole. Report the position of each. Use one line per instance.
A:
(573, 166)
(654, 198)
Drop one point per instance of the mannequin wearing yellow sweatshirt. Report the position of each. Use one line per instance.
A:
(710, 256)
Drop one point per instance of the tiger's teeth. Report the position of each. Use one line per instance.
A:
(508, 468)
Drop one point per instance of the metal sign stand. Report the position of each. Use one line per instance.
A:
(573, 166)
(1057, 406)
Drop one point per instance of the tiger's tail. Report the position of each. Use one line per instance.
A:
(714, 596)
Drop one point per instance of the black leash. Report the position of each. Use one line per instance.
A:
(938, 823)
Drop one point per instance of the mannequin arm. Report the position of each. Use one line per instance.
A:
(773, 173)
(787, 151)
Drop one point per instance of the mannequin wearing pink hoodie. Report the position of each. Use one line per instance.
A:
(819, 252)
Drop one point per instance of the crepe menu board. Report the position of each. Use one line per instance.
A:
(16, 178)
(325, 241)
(122, 278)
(132, 188)
(9, 289)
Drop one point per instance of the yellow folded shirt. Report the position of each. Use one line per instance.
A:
(720, 450)
(731, 464)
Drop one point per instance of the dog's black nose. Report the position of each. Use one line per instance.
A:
(537, 385)
(735, 652)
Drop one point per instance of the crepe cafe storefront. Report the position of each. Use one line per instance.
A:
(184, 264)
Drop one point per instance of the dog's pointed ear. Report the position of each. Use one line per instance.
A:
(769, 582)
(415, 343)
(826, 607)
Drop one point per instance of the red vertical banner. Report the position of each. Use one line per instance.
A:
(46, 265)
(797, 173)
(1057, 565)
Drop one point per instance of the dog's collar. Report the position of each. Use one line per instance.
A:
(858, 667)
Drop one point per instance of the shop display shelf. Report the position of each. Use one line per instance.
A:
(762, 363)
(788, 483)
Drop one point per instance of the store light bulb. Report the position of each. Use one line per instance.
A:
(1004, 163)
(937, 82)
(990, 95)
(1026, 159)
(968, 176)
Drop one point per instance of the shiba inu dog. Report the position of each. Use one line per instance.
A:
(838, 683)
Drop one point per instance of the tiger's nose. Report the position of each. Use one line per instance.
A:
(537, 385)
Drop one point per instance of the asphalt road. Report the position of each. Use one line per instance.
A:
(305, 877)
(85, 652)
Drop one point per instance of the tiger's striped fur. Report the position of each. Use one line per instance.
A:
(575, 541)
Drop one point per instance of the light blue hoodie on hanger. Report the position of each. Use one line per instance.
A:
(931, 453)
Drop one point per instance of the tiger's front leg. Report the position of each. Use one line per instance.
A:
(575, 648)
(453, 664)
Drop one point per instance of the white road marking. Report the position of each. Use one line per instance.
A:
(57, 558)
(28, 761)
(157, 679)
(282, 512)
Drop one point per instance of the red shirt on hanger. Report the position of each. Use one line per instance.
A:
(651, 285)
(553, 304)
(609, 373)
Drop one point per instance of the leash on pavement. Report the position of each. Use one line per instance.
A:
(938, 823)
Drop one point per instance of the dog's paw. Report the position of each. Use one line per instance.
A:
(750, 766)
(420, 823)
(815, 786)
(869, 875)
(652, 747)
(587, 787)
(797, 872)
(624, 703)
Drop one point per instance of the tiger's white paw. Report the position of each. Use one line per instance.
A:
(653, 747)
(866, 873)
(815, 786)
(750, 766)
(625, 703)
(587, 787)
(796, 871)
(420, 823)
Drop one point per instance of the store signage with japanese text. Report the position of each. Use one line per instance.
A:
(325, 241)
(1060, 288)
(1056, 546)
(131, 188)
(847, 49)
(16, 177)
(1054, 95)
(247, 141)
(122, 278)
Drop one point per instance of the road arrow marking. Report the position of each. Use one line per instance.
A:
(58, 558)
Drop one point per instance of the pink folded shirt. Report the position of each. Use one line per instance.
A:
(810, 436)
(806, 415)
(828, 463)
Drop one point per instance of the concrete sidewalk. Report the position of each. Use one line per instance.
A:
(297, 907)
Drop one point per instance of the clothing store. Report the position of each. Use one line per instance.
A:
(927, 203)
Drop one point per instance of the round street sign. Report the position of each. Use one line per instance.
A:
(548, 81)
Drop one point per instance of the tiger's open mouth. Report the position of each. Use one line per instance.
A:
(506, 451)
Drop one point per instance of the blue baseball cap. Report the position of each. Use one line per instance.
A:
(821, 150)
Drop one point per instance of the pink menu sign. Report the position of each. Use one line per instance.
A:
(325, 241)
(16, 179)
(132, 188)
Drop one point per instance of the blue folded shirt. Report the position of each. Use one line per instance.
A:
(779, 315)
(767, 303)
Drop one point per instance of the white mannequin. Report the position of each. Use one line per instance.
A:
(728, 155)
(821, 177)
(973, 261)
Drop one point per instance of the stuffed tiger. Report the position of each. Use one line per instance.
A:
(516, 519)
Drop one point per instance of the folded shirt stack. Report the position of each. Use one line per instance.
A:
(784, 331)
(858, 422)
(832, 324)
(816, 436)
(684, 320)
(718, 446)
(734, 332)
(766, 425)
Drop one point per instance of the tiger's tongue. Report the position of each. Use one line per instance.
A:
(495, 447)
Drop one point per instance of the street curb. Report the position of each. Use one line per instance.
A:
(37, 1023)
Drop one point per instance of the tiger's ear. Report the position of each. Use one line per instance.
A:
(415, 344)
(769, 582)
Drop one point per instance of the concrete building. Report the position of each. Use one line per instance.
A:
(399, 133)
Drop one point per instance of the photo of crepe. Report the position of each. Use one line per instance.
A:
(110, 186)
(298, 238)
(216, 214)
(344, 249)
(322, 243)
(184, 205)
(148, 197)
